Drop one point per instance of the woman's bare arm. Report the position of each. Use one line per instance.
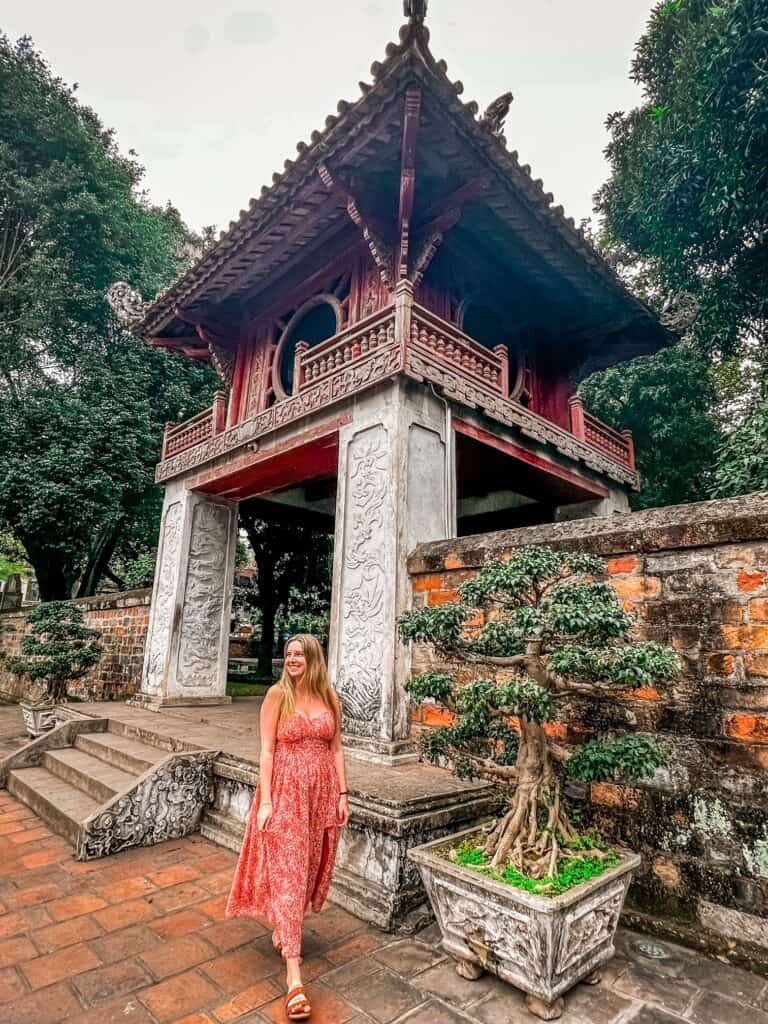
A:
(336, 747)
(270, 711)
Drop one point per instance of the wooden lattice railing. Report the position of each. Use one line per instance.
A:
(437, 339)
(617, 444)
(181, 436)
(320, 361)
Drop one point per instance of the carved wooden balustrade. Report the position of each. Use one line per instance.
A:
(435, 338)
(617, 444)
(354, 343)
(181, 436)
(428, 348)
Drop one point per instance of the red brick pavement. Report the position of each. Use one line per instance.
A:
(141, 938)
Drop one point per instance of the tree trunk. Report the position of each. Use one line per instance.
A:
(267, 643)
(53, 581)
(528, 836)
(99, 558)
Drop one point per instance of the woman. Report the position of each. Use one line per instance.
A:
(301, 802)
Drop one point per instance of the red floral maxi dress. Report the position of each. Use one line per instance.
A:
(286, 868)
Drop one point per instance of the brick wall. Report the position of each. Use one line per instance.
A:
(697, 578)
(122, 620)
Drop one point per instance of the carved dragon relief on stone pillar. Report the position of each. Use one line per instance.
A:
(364, 582)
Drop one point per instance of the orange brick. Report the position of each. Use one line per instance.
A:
(430, 582)
(636, 587)
(556, 730)
(176, 956)
(721, 664)
(228, 935)
(354, 947)
(758, 609)
(436, 597)
(733, 612)
(183, 923)
(643, 693)
(178, 996)
(48, 1006)
(248, 963)
(437, 716)
(42, 858)
(247, 1000)
(7, 828)
(608, 794)
(626, 564)
(15, 951)
(121, 915)
(64, 963)
(11, 986)
(416, 715)
(214, 908)
(128, 889)
(751, 580)
(174, 875)
(34, 895)
(56, 936)
(74, 906)
(756, 664)
(453, 561)
(196, 1018)
(748, 637)
(752, 728)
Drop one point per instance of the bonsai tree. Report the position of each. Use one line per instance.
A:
(555, 630)
(58, 649)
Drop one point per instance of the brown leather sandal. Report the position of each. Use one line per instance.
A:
(297, 1006)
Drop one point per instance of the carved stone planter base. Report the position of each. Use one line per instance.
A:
(593, 979)
(543, 1010)
(469, 969)
(152, 703)
(542, 945)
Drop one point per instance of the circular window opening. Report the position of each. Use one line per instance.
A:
(318, 324)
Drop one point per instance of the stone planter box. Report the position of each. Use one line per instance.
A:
(38, 718)
(542, 945)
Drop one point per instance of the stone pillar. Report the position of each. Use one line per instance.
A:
(395, 490)
(617, 501)
(185, 659)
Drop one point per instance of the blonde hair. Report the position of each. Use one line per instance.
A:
(315, 677)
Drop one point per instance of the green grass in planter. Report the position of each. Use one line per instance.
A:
(573, 870)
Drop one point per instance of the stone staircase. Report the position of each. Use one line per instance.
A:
(104, 785)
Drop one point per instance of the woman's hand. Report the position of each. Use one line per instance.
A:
(342, 813)
(263, 815)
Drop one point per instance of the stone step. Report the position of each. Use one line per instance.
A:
(222, 829)
(162, 742)
(62, 807)
(100, 780)
(120, 751)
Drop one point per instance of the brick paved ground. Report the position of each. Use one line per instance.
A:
(140, 938)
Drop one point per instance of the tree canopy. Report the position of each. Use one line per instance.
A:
(82, 404)
(686, 210)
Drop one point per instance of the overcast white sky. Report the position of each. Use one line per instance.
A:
(214, 95)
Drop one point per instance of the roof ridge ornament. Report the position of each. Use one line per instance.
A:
(415, 11)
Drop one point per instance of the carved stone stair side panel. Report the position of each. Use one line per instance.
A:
(166, 802)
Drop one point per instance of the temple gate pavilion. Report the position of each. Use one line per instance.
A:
(400, 322)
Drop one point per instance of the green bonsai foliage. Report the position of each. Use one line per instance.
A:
(59, 648)
(556, 628)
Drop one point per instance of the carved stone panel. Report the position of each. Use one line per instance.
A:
(156, 660)
(204, 597)
(367, 566)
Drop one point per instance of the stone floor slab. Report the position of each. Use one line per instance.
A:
(714, 1008)
(384, 996)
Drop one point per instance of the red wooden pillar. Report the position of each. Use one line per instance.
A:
(503, 355)
(242, 362)
(576, 406)
(219, 412)
(627, 435)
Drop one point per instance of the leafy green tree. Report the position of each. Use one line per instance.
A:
(82, 404)
(742, 464)
(290, 558)
(688, 190)
(58, 649)
(666, 400)
(557, 630)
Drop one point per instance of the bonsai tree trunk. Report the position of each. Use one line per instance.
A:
(536, 811)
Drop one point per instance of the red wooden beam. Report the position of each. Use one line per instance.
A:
(407, 177)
